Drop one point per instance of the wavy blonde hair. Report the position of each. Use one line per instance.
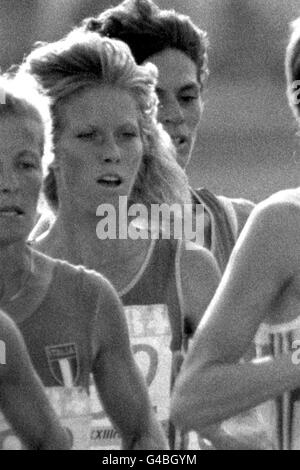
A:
(85, 59)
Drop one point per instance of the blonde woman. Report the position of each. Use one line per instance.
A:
(107, 146)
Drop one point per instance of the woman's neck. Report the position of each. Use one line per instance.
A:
(74, 238)
(13, 259)
(15, 267)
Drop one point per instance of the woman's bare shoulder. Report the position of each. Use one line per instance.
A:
(287, 198)
(281, 210)
(273, 228)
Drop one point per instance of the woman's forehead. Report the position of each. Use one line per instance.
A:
(101, 104)
(175, 68)
(21, 131)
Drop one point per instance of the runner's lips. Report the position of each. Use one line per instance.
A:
(110, 181)
(10, 211)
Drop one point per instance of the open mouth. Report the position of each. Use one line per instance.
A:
(110, 181)
(11, 211)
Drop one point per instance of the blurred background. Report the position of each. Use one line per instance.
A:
(247, 142)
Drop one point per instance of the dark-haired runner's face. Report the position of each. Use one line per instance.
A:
(180, 103)
(100, 148)
(20, 176)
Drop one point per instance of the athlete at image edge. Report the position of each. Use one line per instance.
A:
(37, 426)
(113, 363)
(266, 259)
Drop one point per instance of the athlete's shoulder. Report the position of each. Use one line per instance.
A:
(197, 260)
(65, 266)
(280, 208)
(290, 198)
(274, 225)
(73, 277)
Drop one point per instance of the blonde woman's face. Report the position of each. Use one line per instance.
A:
(100, 148)
(21, 142)
(180, 104)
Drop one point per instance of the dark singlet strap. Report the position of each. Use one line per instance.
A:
(223, 233)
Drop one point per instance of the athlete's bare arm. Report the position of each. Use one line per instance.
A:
(22, 398)
(119, 382)
(200, 277)
(264, 265)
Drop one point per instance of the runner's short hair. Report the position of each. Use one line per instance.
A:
(149, 30)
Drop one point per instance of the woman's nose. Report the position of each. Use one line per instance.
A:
(111, 152)
(170, 112)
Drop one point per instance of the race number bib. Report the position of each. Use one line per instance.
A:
(72, 405)
(8, 438)
(150, 336)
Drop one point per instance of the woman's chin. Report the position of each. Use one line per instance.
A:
(113, 195)
(10, 238)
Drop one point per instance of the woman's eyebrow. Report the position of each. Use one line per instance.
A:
(27, 152)
(194, 87)
(129, 124)
(186, 87)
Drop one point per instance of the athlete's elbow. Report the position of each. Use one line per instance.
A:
(193, 405)
(186, 411)
(178, 414)
(186, 416)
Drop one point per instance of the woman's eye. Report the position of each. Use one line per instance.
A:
(27, 165)
(86, 135)
(188, 98)
(129, 135)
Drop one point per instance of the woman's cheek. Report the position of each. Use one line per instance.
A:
(33, 181)
(195, 118)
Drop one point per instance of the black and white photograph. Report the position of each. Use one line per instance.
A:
(149, 227)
